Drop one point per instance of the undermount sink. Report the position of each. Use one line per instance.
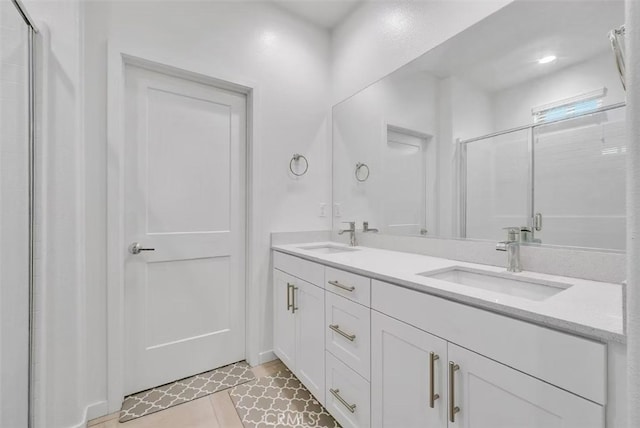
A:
(527, 288)
(328, 249)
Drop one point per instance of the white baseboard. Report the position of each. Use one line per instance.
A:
(93, 411)
(97, 410)
(266, 356)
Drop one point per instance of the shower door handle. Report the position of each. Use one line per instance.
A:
(136, 248)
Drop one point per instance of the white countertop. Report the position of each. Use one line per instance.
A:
(588, 308)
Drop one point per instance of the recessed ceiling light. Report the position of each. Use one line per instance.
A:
(547, 59)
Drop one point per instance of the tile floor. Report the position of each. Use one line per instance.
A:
(212, 411)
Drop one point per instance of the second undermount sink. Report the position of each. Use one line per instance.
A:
(328, 249)
(527, 288)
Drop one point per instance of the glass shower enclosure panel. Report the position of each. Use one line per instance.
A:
(496, 185)
(14, 216)
(579, 181)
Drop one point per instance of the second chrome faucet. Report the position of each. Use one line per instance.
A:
(512, 247)
(353, 241)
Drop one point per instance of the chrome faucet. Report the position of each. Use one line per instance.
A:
(366, 228)
(512, 247)
(352, 233)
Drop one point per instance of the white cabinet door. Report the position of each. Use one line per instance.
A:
(284, 326)
(401, 370)
(491, 395)
(309, 313)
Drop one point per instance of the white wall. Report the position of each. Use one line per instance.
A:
(381, 36)
(255, 44)
(464, 111)
(512, 106)
(406, 99)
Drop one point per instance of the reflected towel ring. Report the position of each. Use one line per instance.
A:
(296, 158)
(359, 166)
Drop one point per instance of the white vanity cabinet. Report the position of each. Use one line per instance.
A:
(299, 330)
(381, 355)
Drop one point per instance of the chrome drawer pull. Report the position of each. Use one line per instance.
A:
(344, 287)
(432, 395)
(336, 393)
(453, 409)
(336, 328)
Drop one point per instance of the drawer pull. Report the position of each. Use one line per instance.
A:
(289, 305)
(453, 409)
(344, 287)
(336, 393)
(336, 328)
(294, 308)
(432, 395)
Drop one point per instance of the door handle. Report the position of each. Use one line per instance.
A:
(453, 409)
(294, 308)
(289, 305)
(432, 395)
(136, 248)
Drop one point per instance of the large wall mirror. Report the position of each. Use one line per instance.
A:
(516, 122)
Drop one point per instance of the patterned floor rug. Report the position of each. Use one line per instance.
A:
(279, 401)
(184, 390)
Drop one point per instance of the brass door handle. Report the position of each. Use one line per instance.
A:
(336, 393)
(453, 409)
(432, 395)
(344, 287)
(336, 328)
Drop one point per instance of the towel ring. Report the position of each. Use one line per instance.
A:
(296, 158)
(359, 166)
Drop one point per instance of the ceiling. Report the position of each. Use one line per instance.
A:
(325, 13)
(502, 50)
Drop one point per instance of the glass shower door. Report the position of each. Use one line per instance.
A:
(14, 216)
(496, 185)
(579, 183)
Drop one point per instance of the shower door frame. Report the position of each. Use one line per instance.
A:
(462, 164)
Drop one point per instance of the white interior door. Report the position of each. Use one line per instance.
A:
(185, 199)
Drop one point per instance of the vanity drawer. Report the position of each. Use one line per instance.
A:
(300, 268)
(573, 363)
(348, 332)
(353, 287)
(347, 394)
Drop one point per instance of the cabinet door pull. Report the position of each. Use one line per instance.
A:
(344, 287)
(294, 307)
(432, 395)
(336, 328)
(336, 393)
(289, 305)
(453, 409)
